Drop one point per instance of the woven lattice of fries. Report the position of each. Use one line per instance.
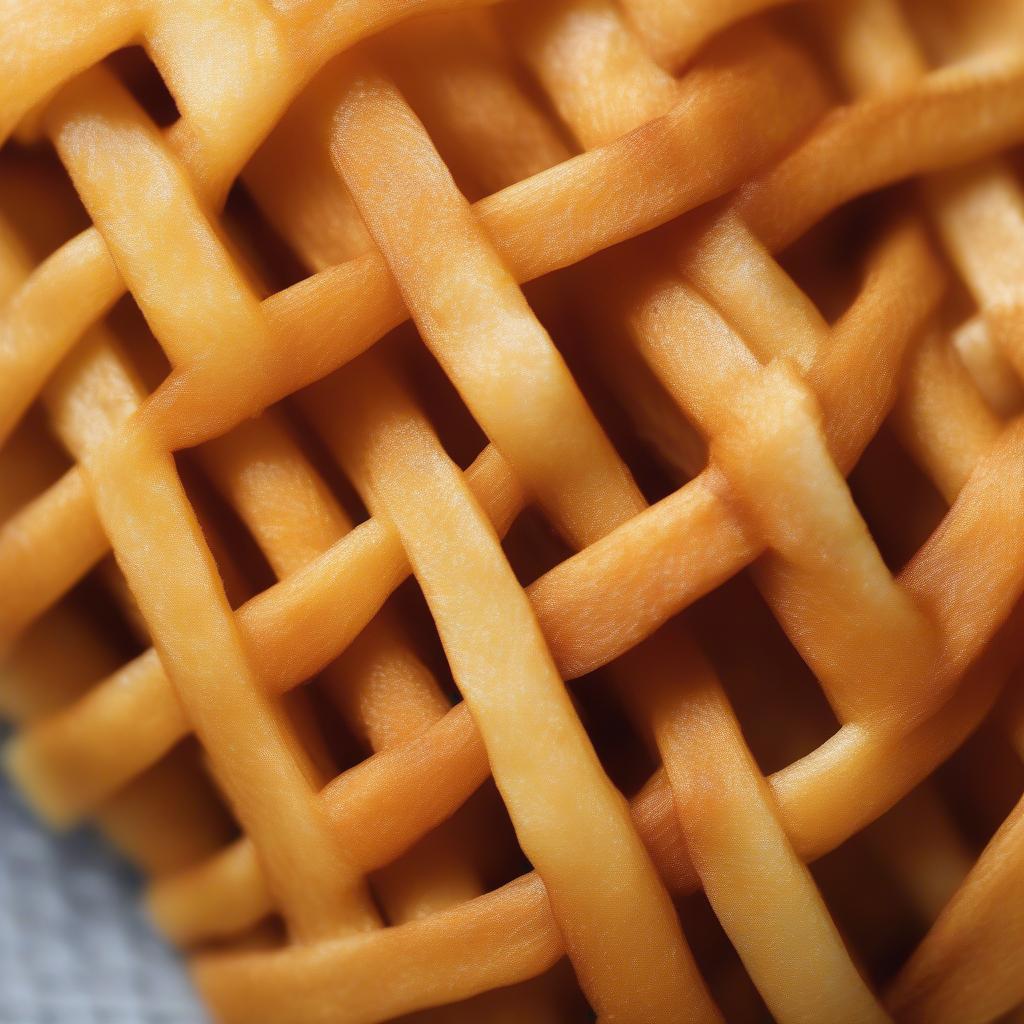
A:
(777, 244)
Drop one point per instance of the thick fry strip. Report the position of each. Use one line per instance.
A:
(472, 600)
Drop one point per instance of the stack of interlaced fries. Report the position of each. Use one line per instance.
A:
(515, 511)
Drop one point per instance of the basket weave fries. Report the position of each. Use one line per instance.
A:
(310, 510)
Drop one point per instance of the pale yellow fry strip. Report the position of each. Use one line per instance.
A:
(966, 970)
(760, 890)
(632, 968)
(673, 689)
(489, 342)
(147, 516)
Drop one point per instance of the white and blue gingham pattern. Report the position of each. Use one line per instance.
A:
(75, 947)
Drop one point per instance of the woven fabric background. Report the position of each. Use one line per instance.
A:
(75, 948)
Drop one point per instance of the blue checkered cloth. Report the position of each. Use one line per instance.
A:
(75, 947)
